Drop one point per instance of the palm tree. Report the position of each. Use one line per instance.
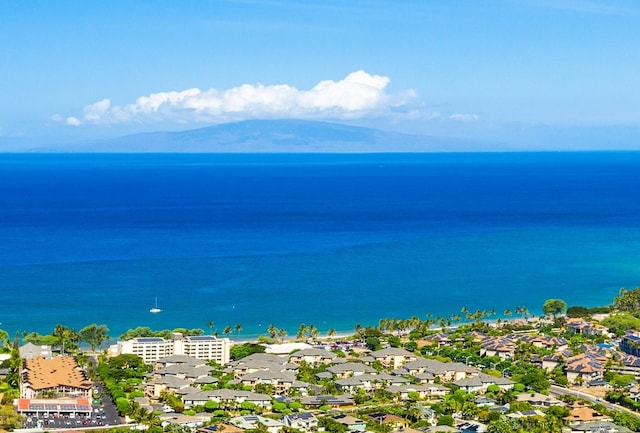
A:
(522, 310)
(479, 316)
(144, 417)
(227, 330)
(358, 330)
(383, 324)
(238, 327)
(414, 322)
(272, 331)
(331, 333)
(301, 331)
(210, 325)
(67, 338)
(413, 411)
(312, 331)
(429, 321)
(282, 333)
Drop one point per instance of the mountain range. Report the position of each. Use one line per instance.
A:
(294, 136)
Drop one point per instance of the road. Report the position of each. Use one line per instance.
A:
(558, 390)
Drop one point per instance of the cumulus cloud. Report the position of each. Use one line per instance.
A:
(358, 95)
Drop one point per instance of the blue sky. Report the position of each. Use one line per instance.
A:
(528, 73)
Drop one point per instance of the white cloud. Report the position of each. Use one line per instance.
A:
(72, 121)
(358, 95)
(459, 117)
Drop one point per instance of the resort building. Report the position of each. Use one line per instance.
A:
(630, 344)
(393, 357)
(312, 357)
(54, 378)
(151, 349)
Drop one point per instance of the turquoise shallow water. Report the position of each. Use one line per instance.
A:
(332, 241)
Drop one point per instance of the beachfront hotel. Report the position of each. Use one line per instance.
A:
(151, 349)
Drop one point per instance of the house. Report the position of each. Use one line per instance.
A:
(331, 400)
(394, 421)
(501, 347)
(283, 382)
(312, 357)
(580, 413)
(526, 414)
(352, 423)
(577, 325)
(220, 428)
(393, 357)
(369, 382)
(305, 421)
(599, 427)
(349, 369)
(180, 419)
(180, 360)
(184, 371)
(550, 362)
(585, 367)
(539, 400)
(404, 392)
(482, 381)
(252, 422)
(426, 370)
(227, 398)
(545, 342)
(31, 351)
(259, 362)
(155, 387)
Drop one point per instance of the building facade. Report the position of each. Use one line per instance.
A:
(151, 349)
(630, 344)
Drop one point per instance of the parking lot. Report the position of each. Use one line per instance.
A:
(46, 421)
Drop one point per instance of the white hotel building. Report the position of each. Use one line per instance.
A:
(151, 349)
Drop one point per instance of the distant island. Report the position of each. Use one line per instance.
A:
(273, 136)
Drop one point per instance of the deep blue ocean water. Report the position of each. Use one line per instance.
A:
(329, 240)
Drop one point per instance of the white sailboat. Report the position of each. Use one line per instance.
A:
(155, 310)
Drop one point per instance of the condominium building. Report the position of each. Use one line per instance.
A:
(630, 344)
(53, 378)
(151, 349)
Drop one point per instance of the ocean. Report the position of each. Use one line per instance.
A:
(330, 240)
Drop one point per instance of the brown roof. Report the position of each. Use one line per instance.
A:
(43, 373)
(584, 414)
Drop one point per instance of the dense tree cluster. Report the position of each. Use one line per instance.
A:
(627, 300)
(144, 331)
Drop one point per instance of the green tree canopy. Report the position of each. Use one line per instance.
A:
(446, 420)
(94, 335)
(553, 307)
(240, 351)
(622, 322)
(627, 300)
